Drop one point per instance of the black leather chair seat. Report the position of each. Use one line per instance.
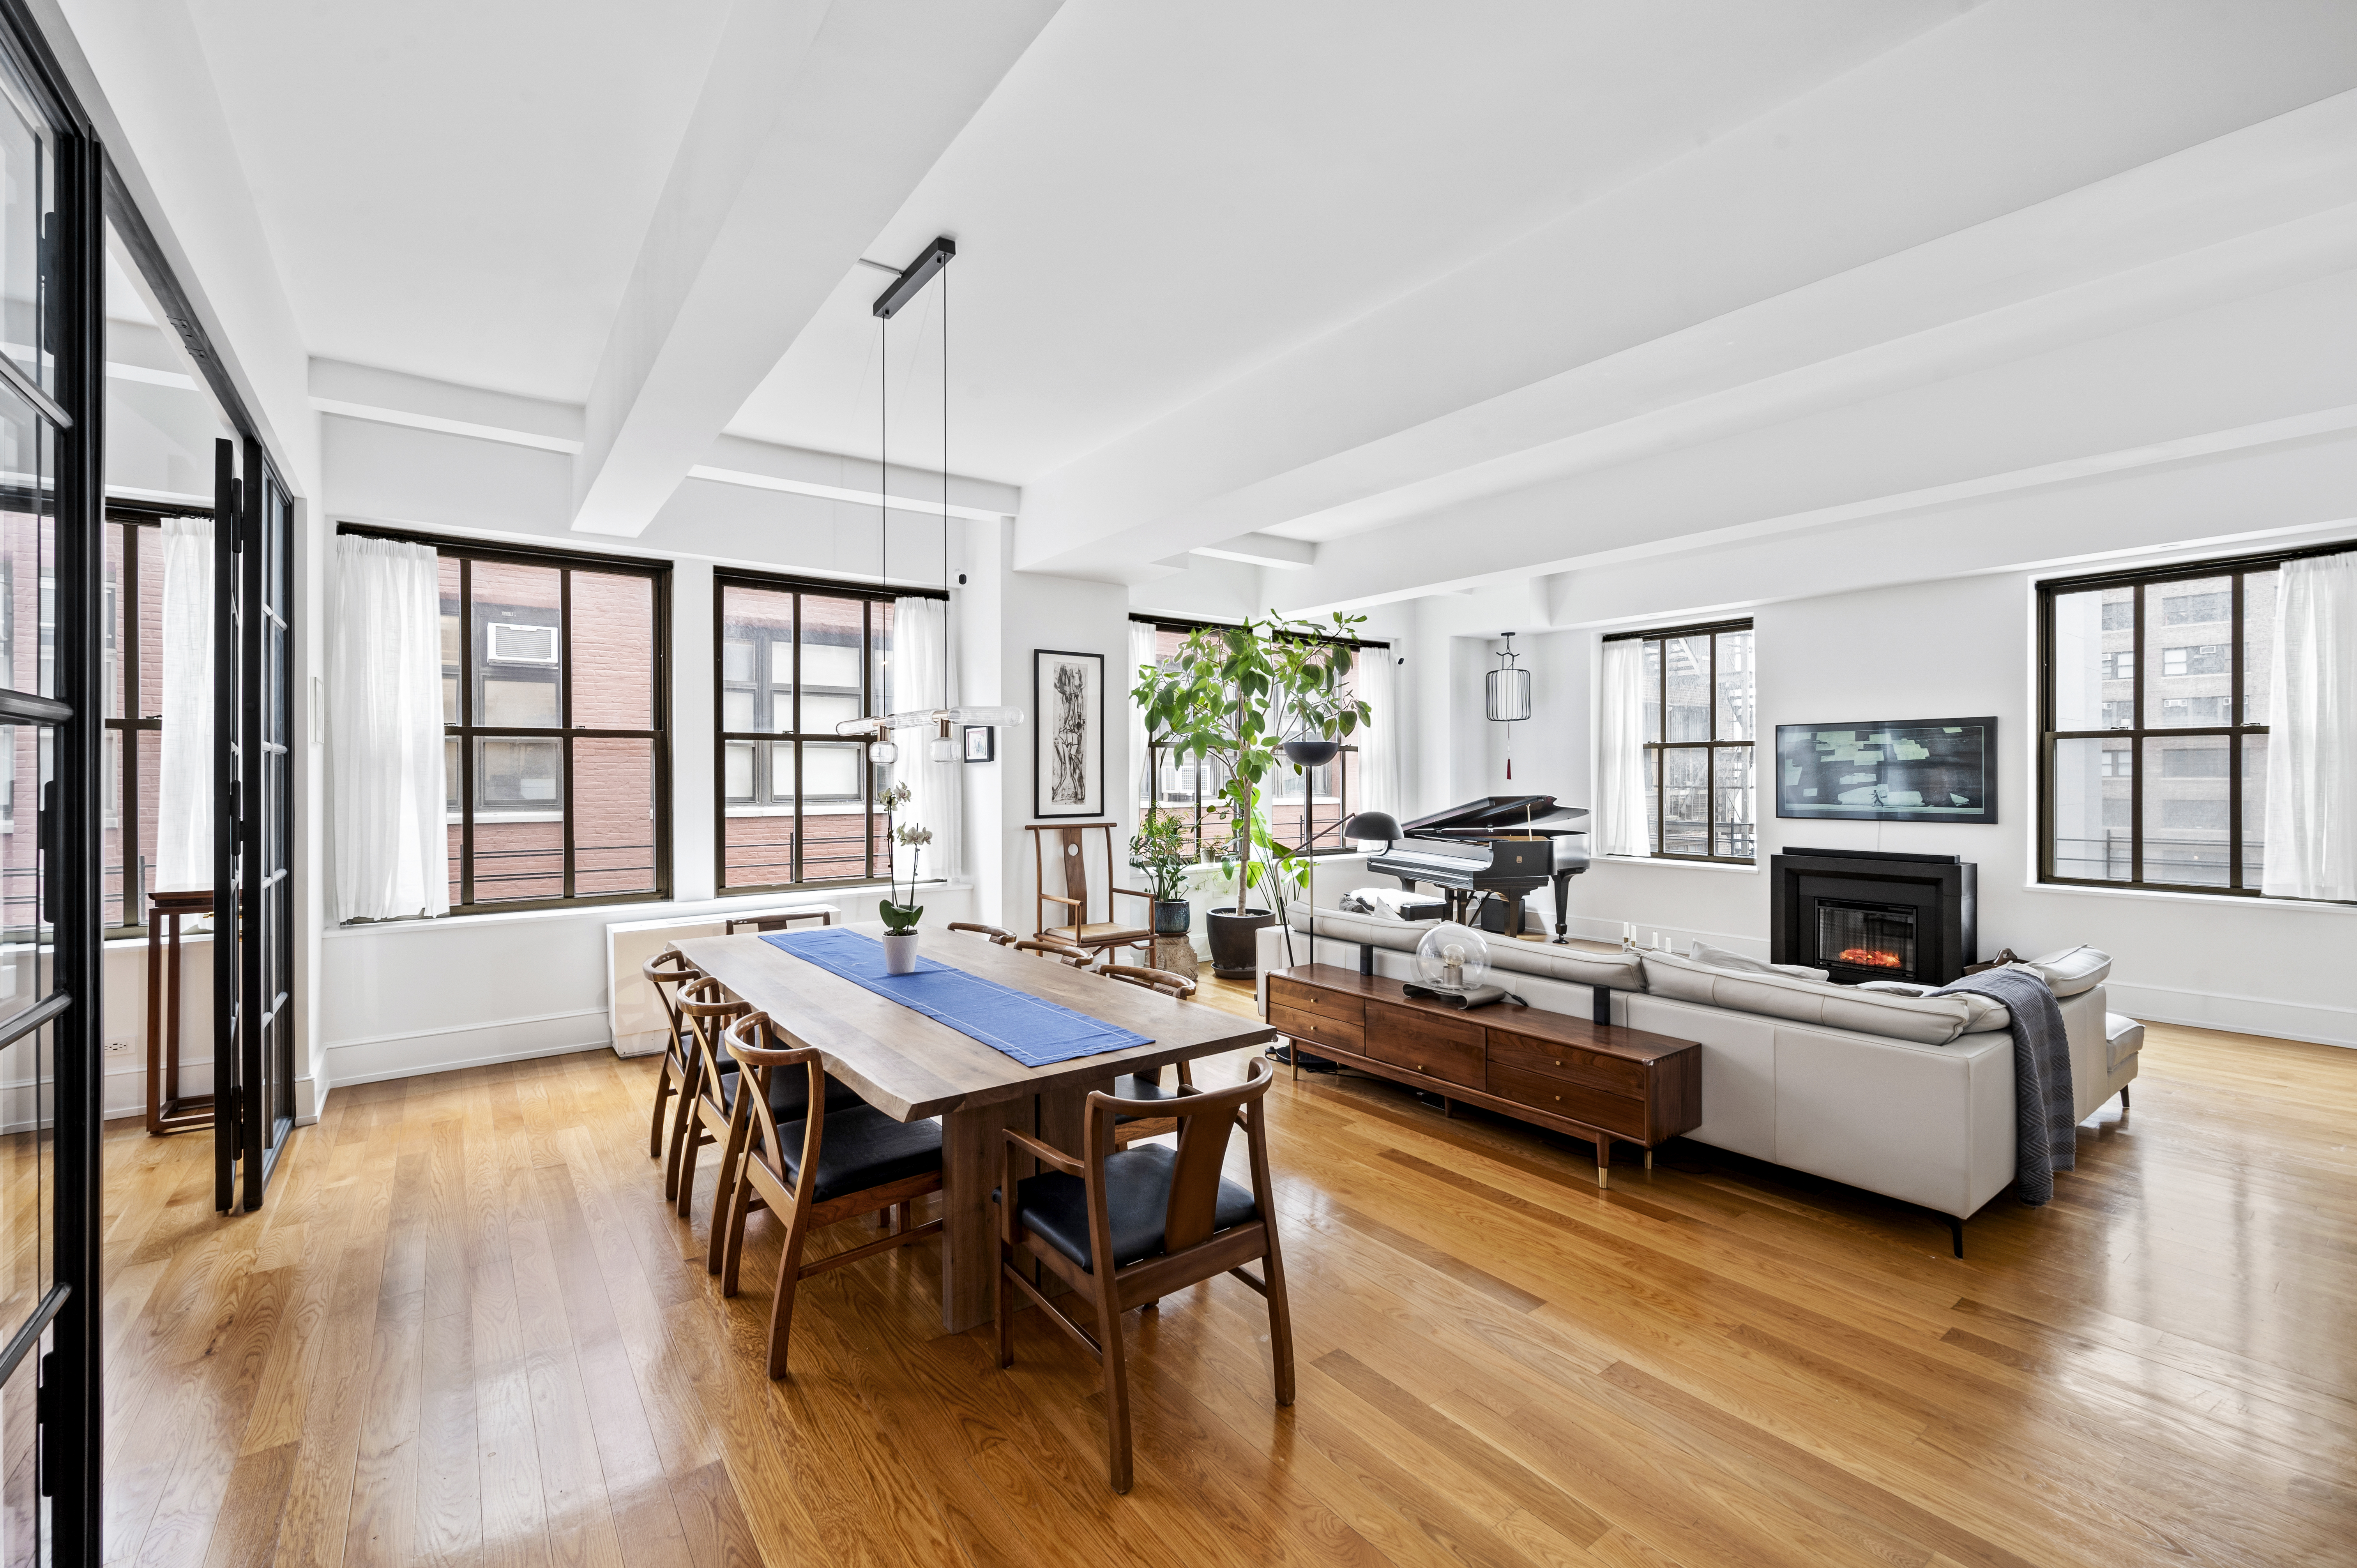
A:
(1055, 1206)
(1141, 1086)
(790, 1091)
(861, 1148)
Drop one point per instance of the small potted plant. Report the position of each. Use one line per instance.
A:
(900, 918)
(1159, 850)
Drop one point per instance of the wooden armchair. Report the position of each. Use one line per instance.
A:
(1063, 846)
(998, 935)
(1128, 1130)
(1125, 1228)
(829, 1166)
(712, 1094)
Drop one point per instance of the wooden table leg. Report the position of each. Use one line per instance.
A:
(970, 1143)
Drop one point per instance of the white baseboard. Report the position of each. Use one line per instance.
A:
(2317, 1023)
(639, 1043)
(414, 1052)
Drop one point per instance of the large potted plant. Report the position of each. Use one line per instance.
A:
(1158, 848)
(1218, 702)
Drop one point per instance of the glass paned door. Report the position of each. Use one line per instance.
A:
(254, 1100)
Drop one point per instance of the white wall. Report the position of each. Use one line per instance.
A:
(1965, 647)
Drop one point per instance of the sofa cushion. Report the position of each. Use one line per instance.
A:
(2071, 971)
(1720, 957)
(1988, 1013)
(2123, 1038)
(1926, 1020)
(1370, 929)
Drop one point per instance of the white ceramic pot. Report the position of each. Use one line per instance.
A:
(899, 952)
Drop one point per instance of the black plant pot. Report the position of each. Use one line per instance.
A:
(1173, 917)
(1312, 753)
(1235, 955)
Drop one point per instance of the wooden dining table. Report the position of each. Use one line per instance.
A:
(909, 1067)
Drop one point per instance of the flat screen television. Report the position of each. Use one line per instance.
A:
(1904, 771)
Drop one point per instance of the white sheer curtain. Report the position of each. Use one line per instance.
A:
(921, 648)
(1377, 683)
(184, 783)
(384, 676)
(2311, 824)
(1619, 824)
(1141, 652)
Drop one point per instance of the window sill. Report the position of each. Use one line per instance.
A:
(2228, 900)
(1753, 869)
(723, 906)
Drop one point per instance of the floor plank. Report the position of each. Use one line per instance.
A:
(466, 1329)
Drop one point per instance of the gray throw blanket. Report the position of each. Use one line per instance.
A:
(2046, 1137)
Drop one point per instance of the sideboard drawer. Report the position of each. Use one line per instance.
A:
(1560, 1097)
(1406, 1023)
(1431, 1055)
(1312, 999)
(1617, 1075)
(1340, 1034)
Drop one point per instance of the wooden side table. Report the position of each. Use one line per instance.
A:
(167, 1110)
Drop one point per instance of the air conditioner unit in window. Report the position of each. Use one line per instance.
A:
(514, 644)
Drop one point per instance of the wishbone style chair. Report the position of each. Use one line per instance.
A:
(1125, 1228)
(1148, 1085)
(1047, 946)
(832, 1164)
(998, 935)
(708, 1007)
(667, 971)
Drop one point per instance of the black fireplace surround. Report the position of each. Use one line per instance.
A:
(1867, 914)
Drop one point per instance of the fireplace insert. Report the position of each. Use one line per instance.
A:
(1865, 915)
(1877, 938)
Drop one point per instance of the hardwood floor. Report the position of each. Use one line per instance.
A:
(467, 1329)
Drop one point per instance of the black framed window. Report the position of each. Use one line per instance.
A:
(796, 800)
(2153, 709)
(1701, 721)
(555, 702)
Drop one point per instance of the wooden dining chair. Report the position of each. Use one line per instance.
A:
(1148, 1085)
(1160, 980)
(708, 1008)
(830, 1165)
(1125, 1228)
(1048, 947)
(998, 935)
(667, 971)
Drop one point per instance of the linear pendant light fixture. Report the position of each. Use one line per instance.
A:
(942, 747)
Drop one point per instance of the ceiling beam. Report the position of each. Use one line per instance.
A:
(1263, 550)
(816, 123)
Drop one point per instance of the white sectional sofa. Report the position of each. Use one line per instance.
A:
(1910, 1099)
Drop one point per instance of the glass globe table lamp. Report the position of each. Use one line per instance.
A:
(1452, 958)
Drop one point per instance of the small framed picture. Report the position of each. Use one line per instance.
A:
(981, 743)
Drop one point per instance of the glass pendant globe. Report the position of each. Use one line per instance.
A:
(883, 751)
(942, 748)
(1452, 958)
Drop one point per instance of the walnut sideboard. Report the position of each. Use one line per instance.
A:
(1595, 1082)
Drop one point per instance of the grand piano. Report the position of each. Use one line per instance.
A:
(1507, 844)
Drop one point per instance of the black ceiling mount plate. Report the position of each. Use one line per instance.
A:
(914, 277)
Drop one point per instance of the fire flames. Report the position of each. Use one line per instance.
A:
(1870, 958)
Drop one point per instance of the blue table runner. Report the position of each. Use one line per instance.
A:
(1033, 1030)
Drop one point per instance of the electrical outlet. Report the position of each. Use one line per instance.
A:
(118, 1048)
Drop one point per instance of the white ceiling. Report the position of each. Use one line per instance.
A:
(458, 189)
(1161, 196)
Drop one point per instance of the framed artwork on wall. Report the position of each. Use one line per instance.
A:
(981, 743)
(1907, 770)
(1068, 763)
